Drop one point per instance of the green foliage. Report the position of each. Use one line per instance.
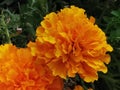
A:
(8, 23)
(112, 29)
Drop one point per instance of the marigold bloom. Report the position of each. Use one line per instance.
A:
(78, 87)
(19, 70)
(71, 43)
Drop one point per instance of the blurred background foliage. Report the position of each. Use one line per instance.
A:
(20, 18)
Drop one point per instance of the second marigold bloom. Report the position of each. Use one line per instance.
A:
(71, 43)
(19, 70)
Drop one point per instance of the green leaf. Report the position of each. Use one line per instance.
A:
(7, 2)
(116, 13)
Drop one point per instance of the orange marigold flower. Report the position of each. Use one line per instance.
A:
(90, 89)
(78, 87)
(19, 70)
(71, 43)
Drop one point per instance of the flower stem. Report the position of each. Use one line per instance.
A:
(8, 40)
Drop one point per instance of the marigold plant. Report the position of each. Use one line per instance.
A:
(71, 43)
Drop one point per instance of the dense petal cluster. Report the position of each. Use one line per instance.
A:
(19, 70)
(71, 43)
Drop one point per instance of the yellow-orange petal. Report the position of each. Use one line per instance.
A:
(58, 68)
(92, 19)
(78, 87)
